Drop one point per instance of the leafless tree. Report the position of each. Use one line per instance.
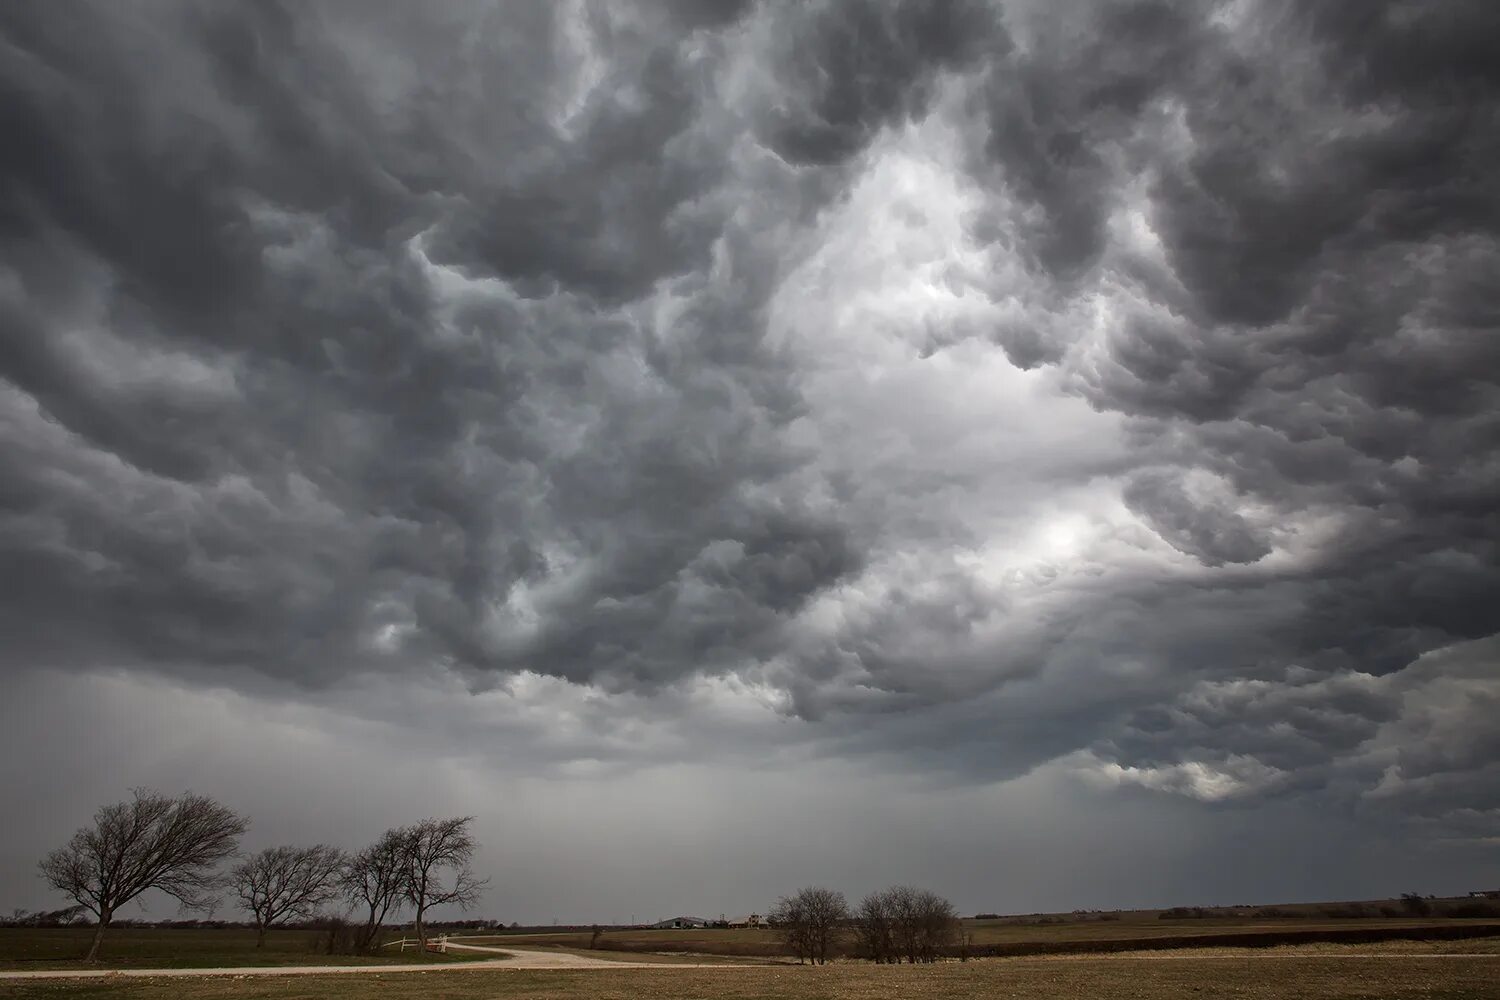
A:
(874, 926)
(151, 842)
(901, 903)
(906, 922)
(438, 852)
(375, 881)
(810, 921)
(282, 882)
(789, 917)
(938, 925)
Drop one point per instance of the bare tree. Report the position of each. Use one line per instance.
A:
(938, 925)
(906, 922)
(152, 842)
(901, 904)
(874, 925)
(789, 917)
(375, 881)
(810, 921)
(282, 882)
(433, 848)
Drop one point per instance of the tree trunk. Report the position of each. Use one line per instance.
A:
(421, 928)
(260, 935)
(93, 955)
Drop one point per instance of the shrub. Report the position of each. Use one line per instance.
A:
(1415, 904)
(1184, 913)
(335, 934)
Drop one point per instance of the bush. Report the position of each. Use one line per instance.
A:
(1184, 913)
(335, 934)
(1415, 904)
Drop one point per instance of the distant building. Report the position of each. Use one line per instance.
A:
(678, 923)
(1485, 894)
(752, 920)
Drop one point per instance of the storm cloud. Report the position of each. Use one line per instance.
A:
(1099, 394)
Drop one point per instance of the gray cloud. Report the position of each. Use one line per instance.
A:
(1101, 389)
(373, 453)
(1211, 531)
(853, 68)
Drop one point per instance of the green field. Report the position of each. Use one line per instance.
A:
(24, 948)
(1336, 974)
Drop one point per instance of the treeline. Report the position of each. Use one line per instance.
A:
(176, 845)
(68, 916)
(1410, 904)
(899, 924)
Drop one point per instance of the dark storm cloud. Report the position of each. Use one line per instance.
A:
(1054, 111)
(1213, 533)
(302, 445)
(352, 337)
(853, 67)
(1319, 341)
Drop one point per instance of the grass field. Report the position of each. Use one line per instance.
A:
(150, 948)
(142, 948)
(1325, 973)
(1004, 933)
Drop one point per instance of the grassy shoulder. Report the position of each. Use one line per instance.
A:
(23, 948)
(1308, 976)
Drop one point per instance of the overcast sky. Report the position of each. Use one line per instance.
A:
(1046, 452)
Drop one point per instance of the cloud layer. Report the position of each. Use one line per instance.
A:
(965, 388)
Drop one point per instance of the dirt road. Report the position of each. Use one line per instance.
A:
(527, 959)
(516, 958)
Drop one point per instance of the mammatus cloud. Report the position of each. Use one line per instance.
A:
(971, 386)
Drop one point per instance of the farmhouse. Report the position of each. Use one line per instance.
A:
(1485, 894)
(752, 920)
(678, 923)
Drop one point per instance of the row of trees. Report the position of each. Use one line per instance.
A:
(65, 917)
(898, 924)
(175, 845)
(906, 922)
(421, 866)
